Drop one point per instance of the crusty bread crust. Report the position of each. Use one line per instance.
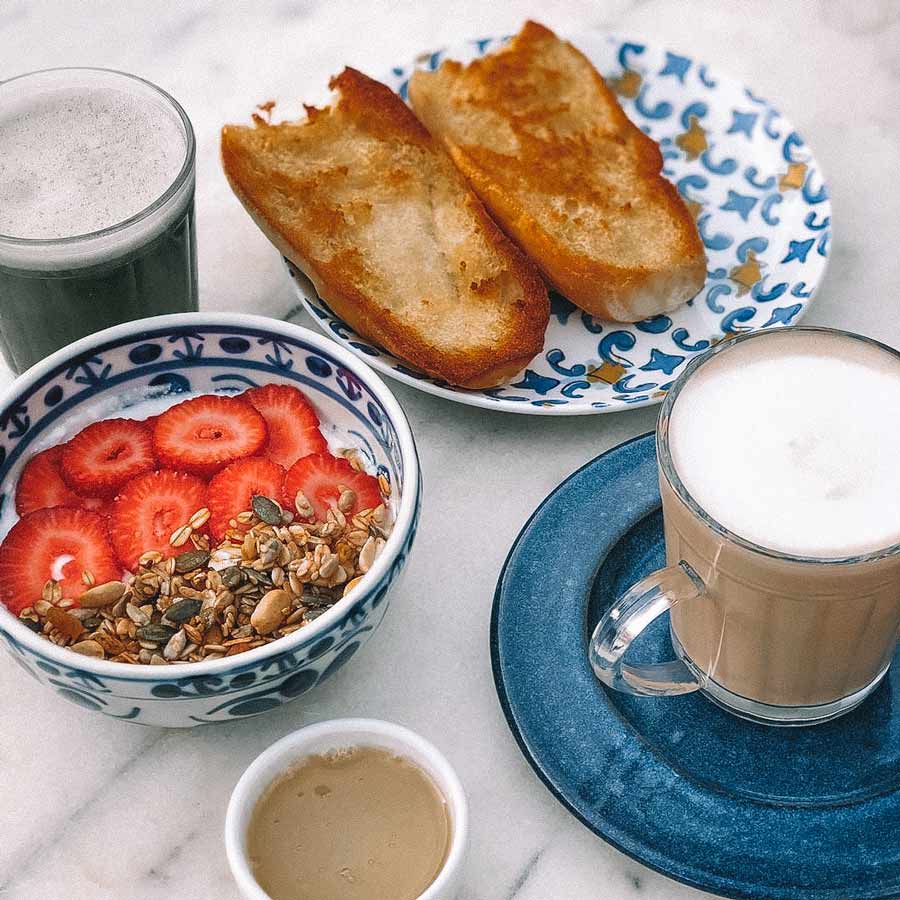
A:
(319, 190)
(547, 147)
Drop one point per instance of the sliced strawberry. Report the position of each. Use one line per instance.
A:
(59, 543)
(322, 477)
(41, 484)
(292, 422)
(103, 456)
(206, 433)
(149, 509)
(231, 491)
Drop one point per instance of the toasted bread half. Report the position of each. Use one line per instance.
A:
(362, 200)
(545, 144)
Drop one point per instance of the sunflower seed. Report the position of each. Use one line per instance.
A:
(367, 555)
(138, 616)
(271, 551)
(303, 506)
(175, 645)
(328, 566)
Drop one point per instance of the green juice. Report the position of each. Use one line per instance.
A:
(96, 208)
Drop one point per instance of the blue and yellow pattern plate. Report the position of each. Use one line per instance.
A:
(761, 206)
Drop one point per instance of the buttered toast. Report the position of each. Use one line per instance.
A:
(362, 200)
(545, 144)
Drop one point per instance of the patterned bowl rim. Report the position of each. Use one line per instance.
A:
(403, 523)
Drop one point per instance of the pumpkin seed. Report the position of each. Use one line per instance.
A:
(256, 577)
(182, 610)
(232, 577)
(154, 634)
(267, 510)
(191, 560)
(34, 626)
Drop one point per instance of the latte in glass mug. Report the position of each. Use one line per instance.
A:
(779, 459)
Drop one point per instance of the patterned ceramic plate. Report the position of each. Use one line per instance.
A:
(761, 206)
(735, 808)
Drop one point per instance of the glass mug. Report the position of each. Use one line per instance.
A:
(773, 637)
(54, 290)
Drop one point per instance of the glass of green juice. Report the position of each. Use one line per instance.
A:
(97, 172)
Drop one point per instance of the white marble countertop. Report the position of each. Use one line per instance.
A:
(95, 808)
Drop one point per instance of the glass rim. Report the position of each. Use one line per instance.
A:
(171, 191)
(667, 466)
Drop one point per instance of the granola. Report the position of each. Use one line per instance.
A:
(270, 576)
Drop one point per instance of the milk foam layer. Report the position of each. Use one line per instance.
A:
(792, 441)
(77, 160)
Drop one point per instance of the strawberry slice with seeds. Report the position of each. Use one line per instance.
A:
(233, 489)
(103, 456)
(149, 509)
(59, 543)
(292, 422)
(323, 477)
(205, 434)
(41, 484)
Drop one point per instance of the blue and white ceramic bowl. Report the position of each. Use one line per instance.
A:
(159, 358)
(762, 209)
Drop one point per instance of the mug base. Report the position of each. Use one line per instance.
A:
(767, 713)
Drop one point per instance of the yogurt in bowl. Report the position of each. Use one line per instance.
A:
(145, 367)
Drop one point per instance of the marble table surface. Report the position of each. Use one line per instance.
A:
(95, 808)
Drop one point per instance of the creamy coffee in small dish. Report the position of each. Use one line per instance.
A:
(362, 822)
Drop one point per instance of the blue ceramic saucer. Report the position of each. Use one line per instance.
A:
(725, 805)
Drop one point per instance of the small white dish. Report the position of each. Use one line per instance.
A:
(336, 734)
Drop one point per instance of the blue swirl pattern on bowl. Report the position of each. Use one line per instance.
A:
(762, 210)
(201, 354)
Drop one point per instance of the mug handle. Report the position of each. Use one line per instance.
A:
(627, 618)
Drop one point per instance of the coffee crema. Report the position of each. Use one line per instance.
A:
(792, 443)
(355, 824)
